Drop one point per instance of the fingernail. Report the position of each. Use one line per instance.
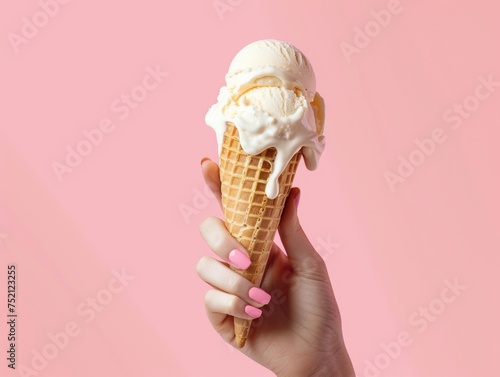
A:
(239, 259)
(297, 200)
(253, 312)
(203, 160)
(260, 296)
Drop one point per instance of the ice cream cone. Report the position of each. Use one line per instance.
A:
(250, 216)
(267, 117)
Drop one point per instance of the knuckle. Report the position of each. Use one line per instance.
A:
(293, 230)
(212, 230)
(209, 298)
(202, 265)
(204, 225)
(218, 242)
(233, 305)
(212, 220)
(314, 268)
(234, 283)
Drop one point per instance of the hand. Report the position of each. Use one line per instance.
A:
(298, 333)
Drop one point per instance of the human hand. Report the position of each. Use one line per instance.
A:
(296, 330)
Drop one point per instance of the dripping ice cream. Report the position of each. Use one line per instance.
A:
(270, 96)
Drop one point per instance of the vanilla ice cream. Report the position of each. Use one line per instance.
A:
(270, 96)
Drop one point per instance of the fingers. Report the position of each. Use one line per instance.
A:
(218, 319)
(302, 255)
(233, 296)
(210, 171)
(217, 237)
(223, 278)
(220, 304)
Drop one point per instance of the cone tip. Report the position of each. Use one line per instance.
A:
(240, 341)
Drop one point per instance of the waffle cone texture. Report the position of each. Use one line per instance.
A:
(250, 216)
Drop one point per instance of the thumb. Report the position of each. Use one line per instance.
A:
(303, 257)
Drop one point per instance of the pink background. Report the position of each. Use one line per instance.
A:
(120, 208)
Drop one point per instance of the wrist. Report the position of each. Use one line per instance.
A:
(339, 365)
(335, 368)
(336, 365)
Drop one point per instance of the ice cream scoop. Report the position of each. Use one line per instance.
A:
(270, 96)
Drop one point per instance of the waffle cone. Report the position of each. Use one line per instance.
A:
(250, 216)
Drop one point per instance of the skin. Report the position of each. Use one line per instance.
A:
(299, 333)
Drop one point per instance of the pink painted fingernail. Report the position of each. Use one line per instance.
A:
(253, 312)
(260, 296)
(239, 259)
